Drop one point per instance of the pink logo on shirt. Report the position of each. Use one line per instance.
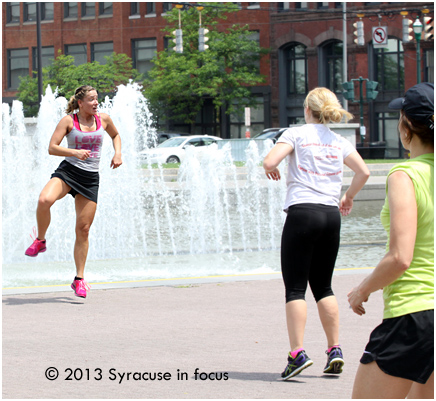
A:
(90, 142)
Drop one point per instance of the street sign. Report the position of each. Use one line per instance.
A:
(380, 37)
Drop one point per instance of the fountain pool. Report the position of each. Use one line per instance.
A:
(213, 224)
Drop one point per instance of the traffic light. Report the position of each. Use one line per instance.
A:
(202, 39)
(349, 90)
(407, 30)
(178, 41)
(371, 92)
(360, 36)
(428, 28)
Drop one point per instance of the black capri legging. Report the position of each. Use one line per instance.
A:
(310, 244)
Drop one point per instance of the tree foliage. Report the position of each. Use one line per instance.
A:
(179, 83)
(66, 76)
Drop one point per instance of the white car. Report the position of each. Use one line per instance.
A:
(173, 149)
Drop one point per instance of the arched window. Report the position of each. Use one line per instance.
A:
(389, 66)
(332, 65)
(296, 69)
(388, 70)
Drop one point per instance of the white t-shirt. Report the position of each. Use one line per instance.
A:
(315, 167)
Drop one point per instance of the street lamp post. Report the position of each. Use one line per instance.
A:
(417, 29)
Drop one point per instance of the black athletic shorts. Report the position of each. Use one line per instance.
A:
(82, 182)
(404, 346)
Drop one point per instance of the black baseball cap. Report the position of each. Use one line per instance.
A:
(417, 103)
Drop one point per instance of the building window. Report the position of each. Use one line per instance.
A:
(134, 9)
(105, 8)
(429, 66)
(166, 7)
(333, 66)
(389, 66)
(71, 10)
(151, 8)
(100, 50)
(322, 5)
(78, 52)
(387, 126)
(47, 57)
(257, 120)
(255, 37)
(12, 12)
(18, 66)
(47, 11)
(301, 6)
(29, 12)
(143, 50)
(296, 69)
(88, 9)
(251, 6)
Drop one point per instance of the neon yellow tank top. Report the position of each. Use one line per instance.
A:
(414, 290)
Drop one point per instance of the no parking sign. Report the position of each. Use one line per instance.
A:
(380, 37)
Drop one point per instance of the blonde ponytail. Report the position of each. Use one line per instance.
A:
(72, 105)
(79, 94)
(325, 106)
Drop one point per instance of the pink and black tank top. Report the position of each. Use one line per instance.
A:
(93, 141)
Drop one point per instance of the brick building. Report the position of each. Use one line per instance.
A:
(306, 42)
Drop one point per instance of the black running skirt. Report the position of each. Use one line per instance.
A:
(81, 181)
(404, 346)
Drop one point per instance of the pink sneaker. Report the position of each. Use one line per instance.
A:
(38, 246)
(80, 287)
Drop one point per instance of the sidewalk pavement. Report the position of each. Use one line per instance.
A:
(233, 333)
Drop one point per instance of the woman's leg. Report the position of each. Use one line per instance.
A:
(296, 316)
(54, 190)
(329, 315)
(321, 273)
(371, 382)
(296, 256)
(421, 391)
(85, 212)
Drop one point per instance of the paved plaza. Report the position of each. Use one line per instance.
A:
(231, 332)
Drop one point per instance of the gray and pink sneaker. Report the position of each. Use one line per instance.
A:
(80, 288)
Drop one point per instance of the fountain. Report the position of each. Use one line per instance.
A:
(144, 227)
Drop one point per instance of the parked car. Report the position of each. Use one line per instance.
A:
(163, 136)
(173, 149)
(271, 133)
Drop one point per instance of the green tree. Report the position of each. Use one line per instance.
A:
(179, 83)
(66, 76)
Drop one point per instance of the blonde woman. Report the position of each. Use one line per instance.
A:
(78, 174)
(310, 239)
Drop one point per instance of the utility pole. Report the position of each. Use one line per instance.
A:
(39, 49)
(344, 48)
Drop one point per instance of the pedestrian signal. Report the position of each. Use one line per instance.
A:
(349, 90)
(371, 92)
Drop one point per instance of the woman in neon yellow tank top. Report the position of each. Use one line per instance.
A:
(399, 359)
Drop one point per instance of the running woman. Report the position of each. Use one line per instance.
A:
(310, 239)
(398, 361)
(78, 174)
